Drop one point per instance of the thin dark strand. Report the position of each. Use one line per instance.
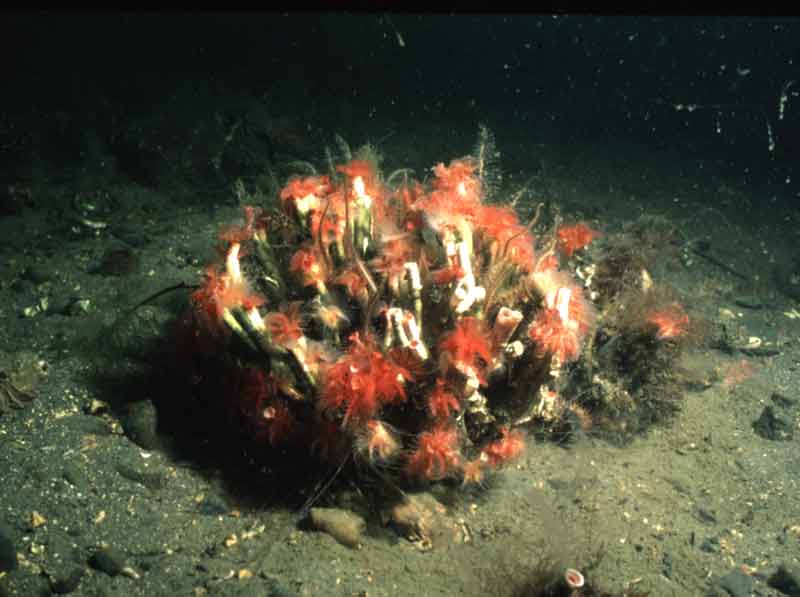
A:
(322, 487)
(162, 292)
(527, 228)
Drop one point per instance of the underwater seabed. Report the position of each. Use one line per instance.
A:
(659, 452)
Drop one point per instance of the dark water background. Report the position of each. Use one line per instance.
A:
(611, 78)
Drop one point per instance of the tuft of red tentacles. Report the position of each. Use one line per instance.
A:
(669, 322)
(362, 380)
(285, 326)
(437, 454)
(575, 237)
(468, 347)
(442, 402)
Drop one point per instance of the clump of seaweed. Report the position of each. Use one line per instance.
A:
(631, 378)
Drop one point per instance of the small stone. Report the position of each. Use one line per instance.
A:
(117, 262)
(108, 560)
(130, 573)
(344, 526)
(213, 505)
(37, 520)
(36, 274)
(421, 518)
(705, 515)
(141, 423)
(155, 479)
(748, 301)
(783, 401)
(760, 351)
(710, 545)
(770, 425)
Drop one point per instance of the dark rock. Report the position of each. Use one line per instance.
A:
(773, 426)
(213, 505)
(117, 262)
(760, 351)
(782, 401)
(8, 552)
(710, 545)
(26, 288)
(786, 579)
(748, 301)
(108, 560)
(140, 424)
(67, 581)
(152, 479)
(36, 274)
(701, 246)
(737, 584)
(706, 516)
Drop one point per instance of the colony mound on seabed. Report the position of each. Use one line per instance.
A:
(423, 330)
